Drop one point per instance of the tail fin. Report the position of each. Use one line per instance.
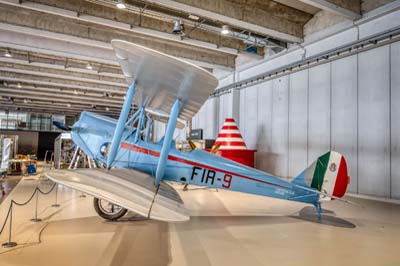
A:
(328, 174)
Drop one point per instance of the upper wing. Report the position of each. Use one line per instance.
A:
(127, 188)
(161, 79)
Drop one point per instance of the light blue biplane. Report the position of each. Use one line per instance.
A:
(136, 171)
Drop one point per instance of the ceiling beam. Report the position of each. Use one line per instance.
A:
(26, 93)
(345, 8)
(62, 74)
(244, 16)
(158, 25)
(86, 31)
(39, 108)
(12, 77)
(60, 80)
(52, 99)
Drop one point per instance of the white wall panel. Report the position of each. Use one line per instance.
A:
(242, 108)
(250, 117)
(380, 24)
(374, 125)
(213, 118)
(353, 107)
(158, 130)
(395, 123)
(331, 42)
(209, 119)
(270, 64)
(201, 119)
(194, 120)
(279, 145)
(344, 114)
(264, 126)
(318, 112)
(225, 108)
(298, 99)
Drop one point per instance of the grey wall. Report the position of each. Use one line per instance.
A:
(349, 105)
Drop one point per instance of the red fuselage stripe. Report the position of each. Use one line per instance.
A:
(125, 145)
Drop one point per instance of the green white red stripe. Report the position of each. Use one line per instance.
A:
(328, 174)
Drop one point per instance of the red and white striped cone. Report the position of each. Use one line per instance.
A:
(229, 138)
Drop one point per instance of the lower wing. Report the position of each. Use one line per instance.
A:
(127, 188)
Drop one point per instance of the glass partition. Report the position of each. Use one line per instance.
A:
(15, 120)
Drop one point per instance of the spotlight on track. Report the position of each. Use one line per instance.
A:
(121, 4)
(225, 30)
(178, 27)
(7, 53)
(194, 17)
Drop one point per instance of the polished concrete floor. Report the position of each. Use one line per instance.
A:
(226, 228)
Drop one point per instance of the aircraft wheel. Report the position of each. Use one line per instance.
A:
(108, 210)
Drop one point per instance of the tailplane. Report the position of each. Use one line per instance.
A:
(328, 174)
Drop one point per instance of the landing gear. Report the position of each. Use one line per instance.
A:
(107, 210)
(319, 210)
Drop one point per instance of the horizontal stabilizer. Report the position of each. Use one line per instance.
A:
(127, 188)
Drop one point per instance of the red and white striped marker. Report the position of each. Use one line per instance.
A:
(229, 138)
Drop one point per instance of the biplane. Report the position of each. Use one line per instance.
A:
(137, 173)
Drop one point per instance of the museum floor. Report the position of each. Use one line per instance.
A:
(226, 228)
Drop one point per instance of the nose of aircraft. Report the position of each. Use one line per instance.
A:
(93, 133)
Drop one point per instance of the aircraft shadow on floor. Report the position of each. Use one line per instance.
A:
(306, 214)
(328, 218)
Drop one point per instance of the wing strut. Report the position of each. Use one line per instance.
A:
(121, 125)
(140, 124)
(162, 161)
(149, 124)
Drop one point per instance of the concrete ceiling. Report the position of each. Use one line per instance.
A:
(54, 43)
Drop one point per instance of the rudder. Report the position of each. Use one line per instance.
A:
(328, 174)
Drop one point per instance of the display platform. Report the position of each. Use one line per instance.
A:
(226, 228)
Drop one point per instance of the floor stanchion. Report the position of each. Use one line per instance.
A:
(56, 205)
(10, 244)
(36, 219)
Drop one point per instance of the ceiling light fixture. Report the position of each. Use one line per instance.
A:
(225, 30)
(89, 66)
(121, 4)
(194, 17)
(107, 109)
(178, 27)
(7, 53)
(19, 85)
